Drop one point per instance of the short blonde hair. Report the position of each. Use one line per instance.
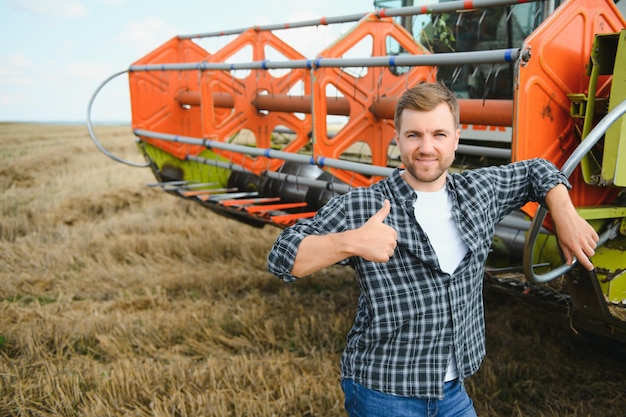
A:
(425, 97)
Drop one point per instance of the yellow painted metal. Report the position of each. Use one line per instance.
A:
(602, 212)
(590, 164)
(614, 161)
(609, 262)
(191, 171)
(606, 165)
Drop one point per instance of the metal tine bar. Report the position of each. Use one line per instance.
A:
(161, 184)
(294, 179)
(366, 169)
(181, 185)
(436, 8)
(486, 83)
(509, 14)
(497, 74)
(219, 197)
(209, 191)
(480, 23)
(455, 75)
(289, 219)
(275, 207)
(247, 201)
(216, 163)
(457, 25)
(537, 17)
(290, 178)
(448, 58)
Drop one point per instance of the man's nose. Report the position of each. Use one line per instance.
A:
(427, 144)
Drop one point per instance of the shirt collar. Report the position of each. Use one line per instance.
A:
(403, 192)
(401, 189)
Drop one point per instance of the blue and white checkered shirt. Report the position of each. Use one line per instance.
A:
(410, 312)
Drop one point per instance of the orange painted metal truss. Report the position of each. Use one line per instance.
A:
(217, 105)
(554, 66)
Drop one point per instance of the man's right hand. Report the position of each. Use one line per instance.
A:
(374, 241)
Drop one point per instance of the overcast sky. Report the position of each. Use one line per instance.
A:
(55, 53)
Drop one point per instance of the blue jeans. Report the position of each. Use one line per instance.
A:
(364, 402)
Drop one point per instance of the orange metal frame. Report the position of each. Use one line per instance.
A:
(362, 93)
(221, 124)
(560, 49)
(152, 96)
(218, 105)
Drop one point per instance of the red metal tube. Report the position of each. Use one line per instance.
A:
(473, 111)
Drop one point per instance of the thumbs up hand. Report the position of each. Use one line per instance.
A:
(375, 241)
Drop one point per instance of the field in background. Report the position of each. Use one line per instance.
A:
(119, 300)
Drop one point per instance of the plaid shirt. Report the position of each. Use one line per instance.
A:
(410, 312)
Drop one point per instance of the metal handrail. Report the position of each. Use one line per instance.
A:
(320, 161)
(93, 134)
(506, 55)
(435, 8)
(585, 146)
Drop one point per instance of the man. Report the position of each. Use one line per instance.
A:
(418, 241)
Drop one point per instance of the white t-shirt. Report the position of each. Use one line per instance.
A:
(433, 211)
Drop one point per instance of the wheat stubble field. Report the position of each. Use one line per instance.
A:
(120, 300)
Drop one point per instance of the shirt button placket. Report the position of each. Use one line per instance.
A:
(432, 407)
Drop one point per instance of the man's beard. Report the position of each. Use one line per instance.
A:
(424, 177)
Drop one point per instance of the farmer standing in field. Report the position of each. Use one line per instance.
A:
(418, 241)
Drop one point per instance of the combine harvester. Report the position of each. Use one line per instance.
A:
(258, 141)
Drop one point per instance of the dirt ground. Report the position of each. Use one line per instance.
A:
(117, 299)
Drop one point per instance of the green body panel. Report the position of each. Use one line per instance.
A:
(608, 57)
(190, 171)
(614, 162)
(606, 166)
(609, 262)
